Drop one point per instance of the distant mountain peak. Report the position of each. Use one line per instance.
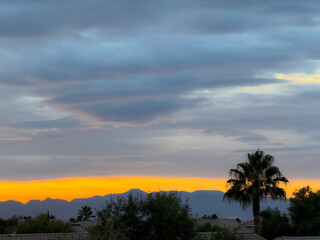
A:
(135, 191)
(208, 191)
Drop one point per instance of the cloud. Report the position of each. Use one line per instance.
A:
(83, 62)
(143, 83)
(137, 111)
(62, 18)
(48, 124)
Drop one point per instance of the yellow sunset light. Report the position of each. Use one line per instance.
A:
(84, 187)
(300, 77)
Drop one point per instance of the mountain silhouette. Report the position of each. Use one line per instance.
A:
(201, 203)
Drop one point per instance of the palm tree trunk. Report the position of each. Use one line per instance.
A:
(256, 215)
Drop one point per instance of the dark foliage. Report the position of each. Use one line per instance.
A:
(254, 180)
(156, 217)
(85, 213)
(43, 224)
(9, 225)
(274, 224)
(122, 218)
(213, 216)
(305, 212)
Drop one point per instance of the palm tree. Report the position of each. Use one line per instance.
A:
(84, 213)
(254, 180)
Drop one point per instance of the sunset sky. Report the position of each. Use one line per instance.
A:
(171, 89)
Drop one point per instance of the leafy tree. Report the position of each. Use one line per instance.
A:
(167, 217)
(122, 217)
(85, 213)
(274, 224)
(253, 180)
(42, 224)
(305, 212)
(214, 216)
(158, 216)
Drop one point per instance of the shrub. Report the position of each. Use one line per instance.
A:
(42, 224)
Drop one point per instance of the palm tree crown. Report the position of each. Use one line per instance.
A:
(253, 180)
(85, 213)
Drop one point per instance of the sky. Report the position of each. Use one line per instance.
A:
(171, 88)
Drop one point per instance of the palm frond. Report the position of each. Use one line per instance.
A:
(255, 178)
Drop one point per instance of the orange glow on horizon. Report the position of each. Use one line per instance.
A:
(84, 187)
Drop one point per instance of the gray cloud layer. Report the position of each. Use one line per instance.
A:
(170, 88)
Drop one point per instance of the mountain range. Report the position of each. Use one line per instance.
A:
(201, 203)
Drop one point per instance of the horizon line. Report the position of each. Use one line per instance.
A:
(84, 187)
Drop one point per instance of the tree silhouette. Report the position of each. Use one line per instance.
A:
(254, 180)
(43, 224)
(158, 216)
(84, 213)
(305, 212)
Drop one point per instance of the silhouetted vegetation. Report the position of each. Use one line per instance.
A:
(158, 216)
(43, 224)
(253, 180)
(213, 216)
(9, 225)
(305, 212)
(274, 224)
(85, 213)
